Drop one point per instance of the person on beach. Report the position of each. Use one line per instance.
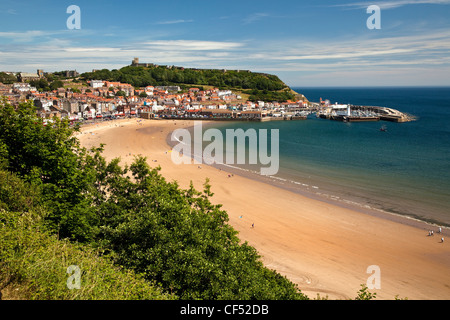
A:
(253, 225)
(442, 239)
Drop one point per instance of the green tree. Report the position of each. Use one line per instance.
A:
(56, 84)
(17, 195)
(7, 78)
(50, 158)
(140, 77)
(41, 84)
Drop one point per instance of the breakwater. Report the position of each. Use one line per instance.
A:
(352, 113)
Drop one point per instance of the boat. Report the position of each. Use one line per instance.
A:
(383, 128)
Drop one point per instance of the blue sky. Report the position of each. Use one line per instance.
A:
(305, 43)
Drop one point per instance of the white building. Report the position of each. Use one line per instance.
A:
(224, 93)
(156, 107)
(149, 90)
(341, 109)
(97, 84)
(23, 87)
(43, 104)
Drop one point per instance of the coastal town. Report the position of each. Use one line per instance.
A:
(101, 99)
(66, 95)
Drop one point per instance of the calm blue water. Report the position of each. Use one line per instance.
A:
(405, 170)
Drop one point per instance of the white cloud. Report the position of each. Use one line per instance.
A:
(90, 49)
(188, 53)
(336, 58)
(373, 77)
(26, 34)
(408, 48)
(193, 45)
(175, 21)
(391, 4)
(346, 55)
(40, 36)
(255, 17)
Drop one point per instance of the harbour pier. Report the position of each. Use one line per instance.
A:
(353, 113)
(336, 112)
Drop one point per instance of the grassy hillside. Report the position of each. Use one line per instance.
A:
(34, 266)
(33, 262)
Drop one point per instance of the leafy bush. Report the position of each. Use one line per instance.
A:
(15, 194)
(7, 78)
(365, 294)
(36, 263)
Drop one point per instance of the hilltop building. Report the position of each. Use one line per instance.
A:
(25, 76)
(136, 63)
(71, 73)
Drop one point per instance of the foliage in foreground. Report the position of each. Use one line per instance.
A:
(36, 263)
(365, 294)
(133, 216)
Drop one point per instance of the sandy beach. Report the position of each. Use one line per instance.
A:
(324, 248)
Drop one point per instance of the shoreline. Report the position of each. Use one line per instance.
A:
(290, 185)
(322, 246)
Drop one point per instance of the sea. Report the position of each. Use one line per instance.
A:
(404, 170)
